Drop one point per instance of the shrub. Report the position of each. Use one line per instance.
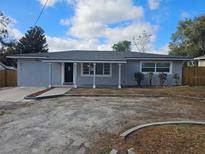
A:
(139, 76)
(176, 77)
(162, 78)
(150, 76)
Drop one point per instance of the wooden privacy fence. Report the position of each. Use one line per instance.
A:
(194, 76)
(8, 78)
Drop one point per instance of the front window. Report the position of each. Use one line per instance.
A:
(163, 67)
(148, 67)
(102, 69)
(156, 67)
(87, 68)
(107, 69)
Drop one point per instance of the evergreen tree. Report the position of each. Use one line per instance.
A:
(34, 41)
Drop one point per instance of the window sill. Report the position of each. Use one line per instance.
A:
(156, 73)
(96, 75)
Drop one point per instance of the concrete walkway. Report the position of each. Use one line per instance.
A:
(54, 92)
(17, 94)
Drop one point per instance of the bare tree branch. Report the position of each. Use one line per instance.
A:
(141, 41)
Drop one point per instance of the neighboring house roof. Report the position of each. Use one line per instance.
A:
(90, 55)
(200, 58)
(4, 67)
(1, 67)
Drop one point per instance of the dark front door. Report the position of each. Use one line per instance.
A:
(68, 72)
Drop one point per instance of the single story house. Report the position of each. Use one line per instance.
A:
(201, 61)
(81, 68)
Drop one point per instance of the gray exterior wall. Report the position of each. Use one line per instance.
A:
(100, 81)
(132, 67)
(33, 72)
(127, 75)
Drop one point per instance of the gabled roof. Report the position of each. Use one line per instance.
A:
(93, 55)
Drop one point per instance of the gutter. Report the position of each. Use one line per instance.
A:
(25, 57)
(162, 59)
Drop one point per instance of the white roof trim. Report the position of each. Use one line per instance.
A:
(158, 58)
(24, 57)
(83, 61)
(199, 58)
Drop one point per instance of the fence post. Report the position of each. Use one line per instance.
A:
(6, 76)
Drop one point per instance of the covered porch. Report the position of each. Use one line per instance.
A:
(88, 73)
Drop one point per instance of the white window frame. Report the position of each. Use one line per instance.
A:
(155, 70)
(97, 75)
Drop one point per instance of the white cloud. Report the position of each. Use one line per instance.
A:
(153, 4)
(184, 15)
(90, 22)
(165, 49)
(112, 36)
(91, 16)
(15, 33)
(65, 22)
(162, 50)
(49, 3)
(59, 44)
(127, 33)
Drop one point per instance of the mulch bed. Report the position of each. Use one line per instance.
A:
(39, 92)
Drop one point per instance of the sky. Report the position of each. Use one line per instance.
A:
(98, 24)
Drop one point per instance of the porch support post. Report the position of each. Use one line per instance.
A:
(75, 75)
(50, 75)
(94, 74)
(62, 74)
(119, 76)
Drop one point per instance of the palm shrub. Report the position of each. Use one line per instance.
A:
(139, 76)
(150, 76)
(162, 78)
(176, 77)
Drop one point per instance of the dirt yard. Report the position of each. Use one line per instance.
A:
(76, 124)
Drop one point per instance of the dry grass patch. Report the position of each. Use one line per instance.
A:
(177, 139)
(198, 91)
(183, 139)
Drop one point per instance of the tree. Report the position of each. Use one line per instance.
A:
(142, 41)
(9, 50)
(7, 43)
(34, 41)
(189, 39)
(122, 46)
(4, 22)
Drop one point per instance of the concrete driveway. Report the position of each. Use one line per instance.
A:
(16, 94)
(73, 125)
